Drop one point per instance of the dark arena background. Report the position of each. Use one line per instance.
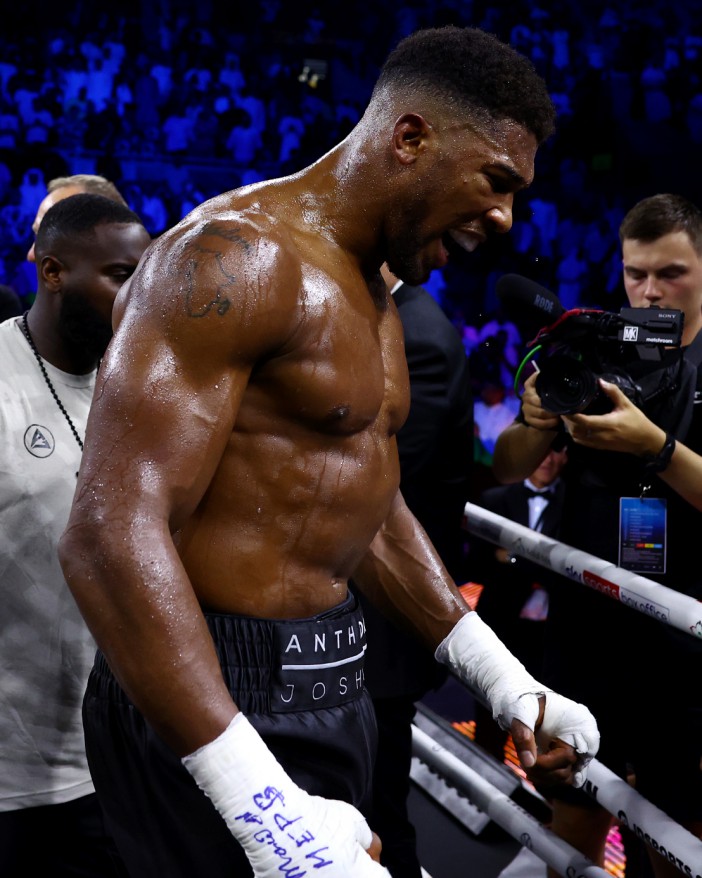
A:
(179, 100)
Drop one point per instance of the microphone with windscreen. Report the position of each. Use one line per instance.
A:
(527, 304)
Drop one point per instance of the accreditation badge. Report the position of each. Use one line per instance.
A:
(642, 534)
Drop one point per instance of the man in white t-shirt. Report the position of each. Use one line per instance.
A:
(50, 822)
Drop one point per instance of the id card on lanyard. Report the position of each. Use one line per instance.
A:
(643, 534)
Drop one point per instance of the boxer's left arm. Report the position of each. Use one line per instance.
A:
(404, 576)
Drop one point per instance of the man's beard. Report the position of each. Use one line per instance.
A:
(82, 329)
(403, 261)
(404, 246)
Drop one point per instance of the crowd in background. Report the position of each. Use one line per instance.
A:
(177, 101)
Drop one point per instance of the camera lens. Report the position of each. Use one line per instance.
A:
(565, 385)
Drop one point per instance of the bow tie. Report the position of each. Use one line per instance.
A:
(546, 494)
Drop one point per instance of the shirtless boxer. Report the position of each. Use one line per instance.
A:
(241, 464)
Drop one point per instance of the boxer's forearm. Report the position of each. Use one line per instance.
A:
(281, 827)
(474, 652)
(146, 619)
(402, 571)
(403, 575)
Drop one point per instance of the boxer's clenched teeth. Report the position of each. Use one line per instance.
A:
(467, 241)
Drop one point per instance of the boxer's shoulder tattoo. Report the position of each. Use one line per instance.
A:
(215, 294)
(228, 231)
(200, 302)
(230, 234)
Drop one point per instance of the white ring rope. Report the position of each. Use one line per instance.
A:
(648, 597)
(649, 823)
(504, 810)
(645, 820)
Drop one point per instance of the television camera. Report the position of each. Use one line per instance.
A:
(637, 349)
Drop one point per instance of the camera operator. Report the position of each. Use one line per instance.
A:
(647, 699)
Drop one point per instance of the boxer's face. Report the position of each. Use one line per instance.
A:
(459, 190)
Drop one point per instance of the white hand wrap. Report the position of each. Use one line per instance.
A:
(575, 725)
(479, 657)
(282, 828)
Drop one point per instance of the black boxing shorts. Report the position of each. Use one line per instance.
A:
(300, 684)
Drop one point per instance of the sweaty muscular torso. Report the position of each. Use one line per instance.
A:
(310, 468)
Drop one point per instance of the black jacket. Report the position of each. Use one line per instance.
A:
(435, 447)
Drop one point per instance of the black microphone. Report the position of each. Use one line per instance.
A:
(527, 304)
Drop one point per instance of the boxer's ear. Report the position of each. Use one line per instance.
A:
(410, 136)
